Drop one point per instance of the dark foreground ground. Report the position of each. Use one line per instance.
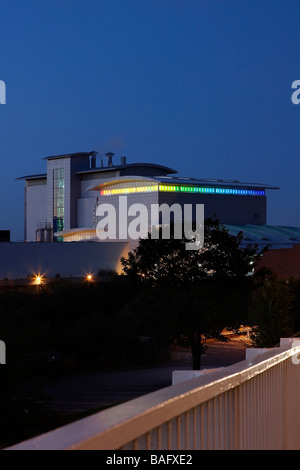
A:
(75, 394)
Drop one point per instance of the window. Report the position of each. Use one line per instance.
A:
(58, 201)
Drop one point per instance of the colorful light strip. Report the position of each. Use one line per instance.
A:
(136, 189)
(182, 189)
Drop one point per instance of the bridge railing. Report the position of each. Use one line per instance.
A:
(254, 404)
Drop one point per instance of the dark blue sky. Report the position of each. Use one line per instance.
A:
(203, 86)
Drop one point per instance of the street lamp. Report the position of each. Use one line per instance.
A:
(38, 280)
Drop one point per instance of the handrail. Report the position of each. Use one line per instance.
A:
(133, 424)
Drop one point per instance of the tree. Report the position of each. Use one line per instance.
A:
(193, 294)
(272, 312)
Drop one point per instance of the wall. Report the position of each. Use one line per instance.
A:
(285, 262)
(35, 207)
(234, 210)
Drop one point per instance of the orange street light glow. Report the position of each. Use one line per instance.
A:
(38, 280)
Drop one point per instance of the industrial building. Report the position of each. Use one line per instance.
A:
(29, 262)
(61, 204)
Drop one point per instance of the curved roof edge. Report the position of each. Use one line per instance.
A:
(120, 179)
(32, 177)
(69, 155)
(99, 169)
(180, 180)
(274, 236)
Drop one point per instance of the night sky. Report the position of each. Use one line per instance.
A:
(202, 86)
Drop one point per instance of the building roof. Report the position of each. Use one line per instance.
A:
(102, 169)
(110, 167)
(174, 180)
(32, 177)
(267, 235)
(132, 166)
(158, 173)
(70, 155)
(212, 182)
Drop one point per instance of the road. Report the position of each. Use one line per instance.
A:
(72, 394)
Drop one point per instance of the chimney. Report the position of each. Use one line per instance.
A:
(109, 157)
(93, 156)
(123, 161)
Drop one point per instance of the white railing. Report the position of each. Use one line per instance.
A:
(254, 404)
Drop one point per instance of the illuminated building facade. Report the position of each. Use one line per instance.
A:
(61, 204)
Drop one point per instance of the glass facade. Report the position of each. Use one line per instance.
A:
(58, 201)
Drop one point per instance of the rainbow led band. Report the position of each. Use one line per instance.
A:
(182, 189)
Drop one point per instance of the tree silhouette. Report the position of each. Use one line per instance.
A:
(193, 294)
(273, 311)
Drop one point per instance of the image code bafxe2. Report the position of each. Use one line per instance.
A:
(150, 458)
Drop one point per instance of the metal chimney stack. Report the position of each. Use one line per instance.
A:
(93, 156)
(109, 157)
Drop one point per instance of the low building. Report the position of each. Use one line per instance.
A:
(283, 262)
(26, 261)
